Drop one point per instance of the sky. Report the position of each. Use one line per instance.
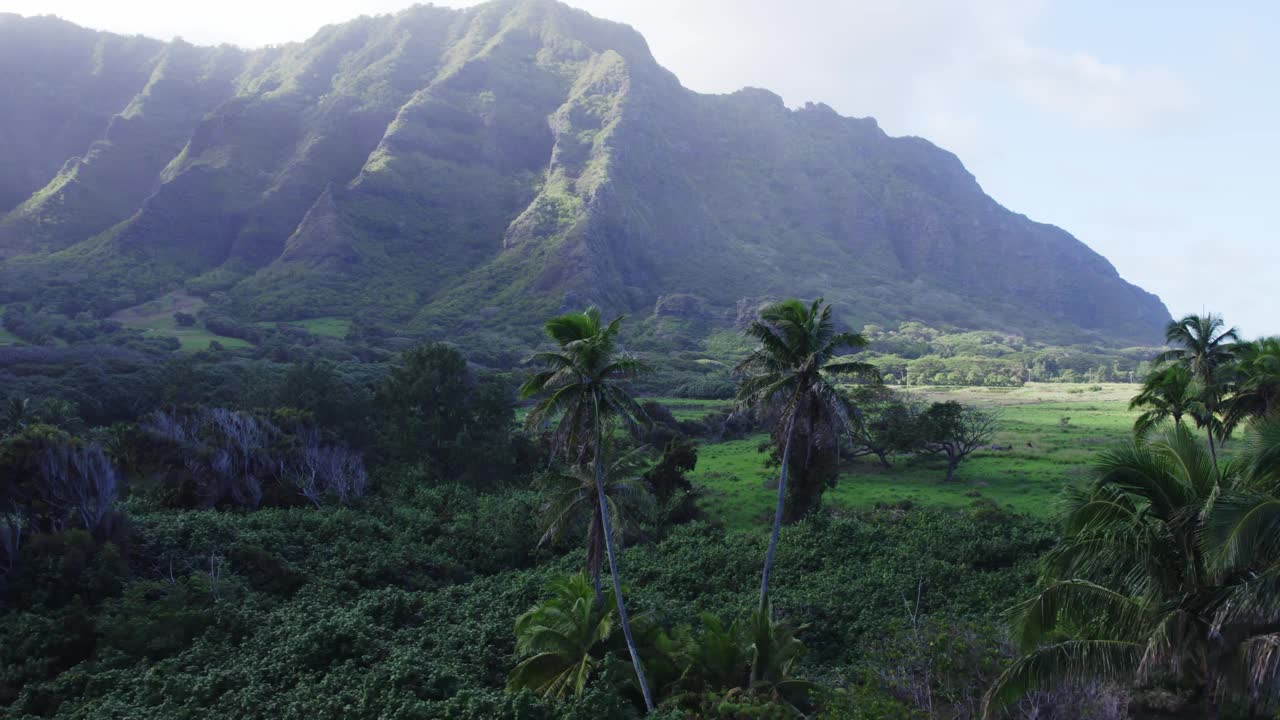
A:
(1148, 129)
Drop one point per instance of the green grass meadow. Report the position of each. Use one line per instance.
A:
(156, 318)
(1046, 454)
(691, 409)
(330, 327)
(193, 339)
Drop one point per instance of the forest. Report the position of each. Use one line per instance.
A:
(283, 530)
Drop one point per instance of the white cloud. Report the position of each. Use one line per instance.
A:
(905, 61)
(1093, 93)
(917, 65)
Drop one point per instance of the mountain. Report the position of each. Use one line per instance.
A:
(470, 171)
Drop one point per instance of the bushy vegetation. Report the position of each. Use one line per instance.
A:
(246, 539)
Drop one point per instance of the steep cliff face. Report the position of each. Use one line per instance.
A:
(471, 170)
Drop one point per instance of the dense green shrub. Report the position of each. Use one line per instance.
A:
(405, 608)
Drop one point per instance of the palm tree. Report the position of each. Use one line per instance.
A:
(581, 391)
(720, 657)
(1257, 387)
(1164, 573)
(571, 498)
(1241, 537)
(1169, 393)
(1201, 345)
(797, 347)
(567, 635)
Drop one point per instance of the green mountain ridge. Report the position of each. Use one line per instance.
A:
(466, 172)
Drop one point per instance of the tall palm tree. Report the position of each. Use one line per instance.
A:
(582, 391)
(797, 348)
(1256, 391)
(1169, 393)
(1200, 344)
(570, 499)
(1164, 573)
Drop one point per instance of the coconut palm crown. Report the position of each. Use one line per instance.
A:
(1165, 575)
(1170, 393)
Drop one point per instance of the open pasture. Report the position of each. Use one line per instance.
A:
(156, 318)
(1045, 439)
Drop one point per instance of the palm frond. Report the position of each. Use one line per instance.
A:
(1240, 528)
(1063, 663)
(1080, 603)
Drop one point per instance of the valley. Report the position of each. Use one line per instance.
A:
(464, 363)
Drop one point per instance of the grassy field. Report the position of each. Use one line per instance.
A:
(691, 409)
(331, 327)
(1047, 453)
(156, 318)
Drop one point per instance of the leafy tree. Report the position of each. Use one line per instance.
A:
(886, 424)
(582, 393)
(335, 400)
(432, 409)
(1170, 393)
(571, 501)
(1256, 391)
(797, 349)
(955, 431)
(1165, 575)
(668, 476)
(1201, 345)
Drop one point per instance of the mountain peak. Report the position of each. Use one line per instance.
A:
(517, 154)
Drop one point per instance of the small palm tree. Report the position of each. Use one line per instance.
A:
(1200, 344)
(571, 501)
(720, 657)
(582, 393)
(1169, 393)
(797, 348)
(1164, 573)
(567, 637)
(1257, 387)
(774, 653)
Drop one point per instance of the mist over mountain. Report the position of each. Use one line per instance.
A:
(468, 172)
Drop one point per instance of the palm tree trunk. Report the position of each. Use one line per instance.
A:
(777, 529)
(1213, 451)
(594, 565)
(613, 561)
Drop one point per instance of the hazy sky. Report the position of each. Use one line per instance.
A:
(1149, 130)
